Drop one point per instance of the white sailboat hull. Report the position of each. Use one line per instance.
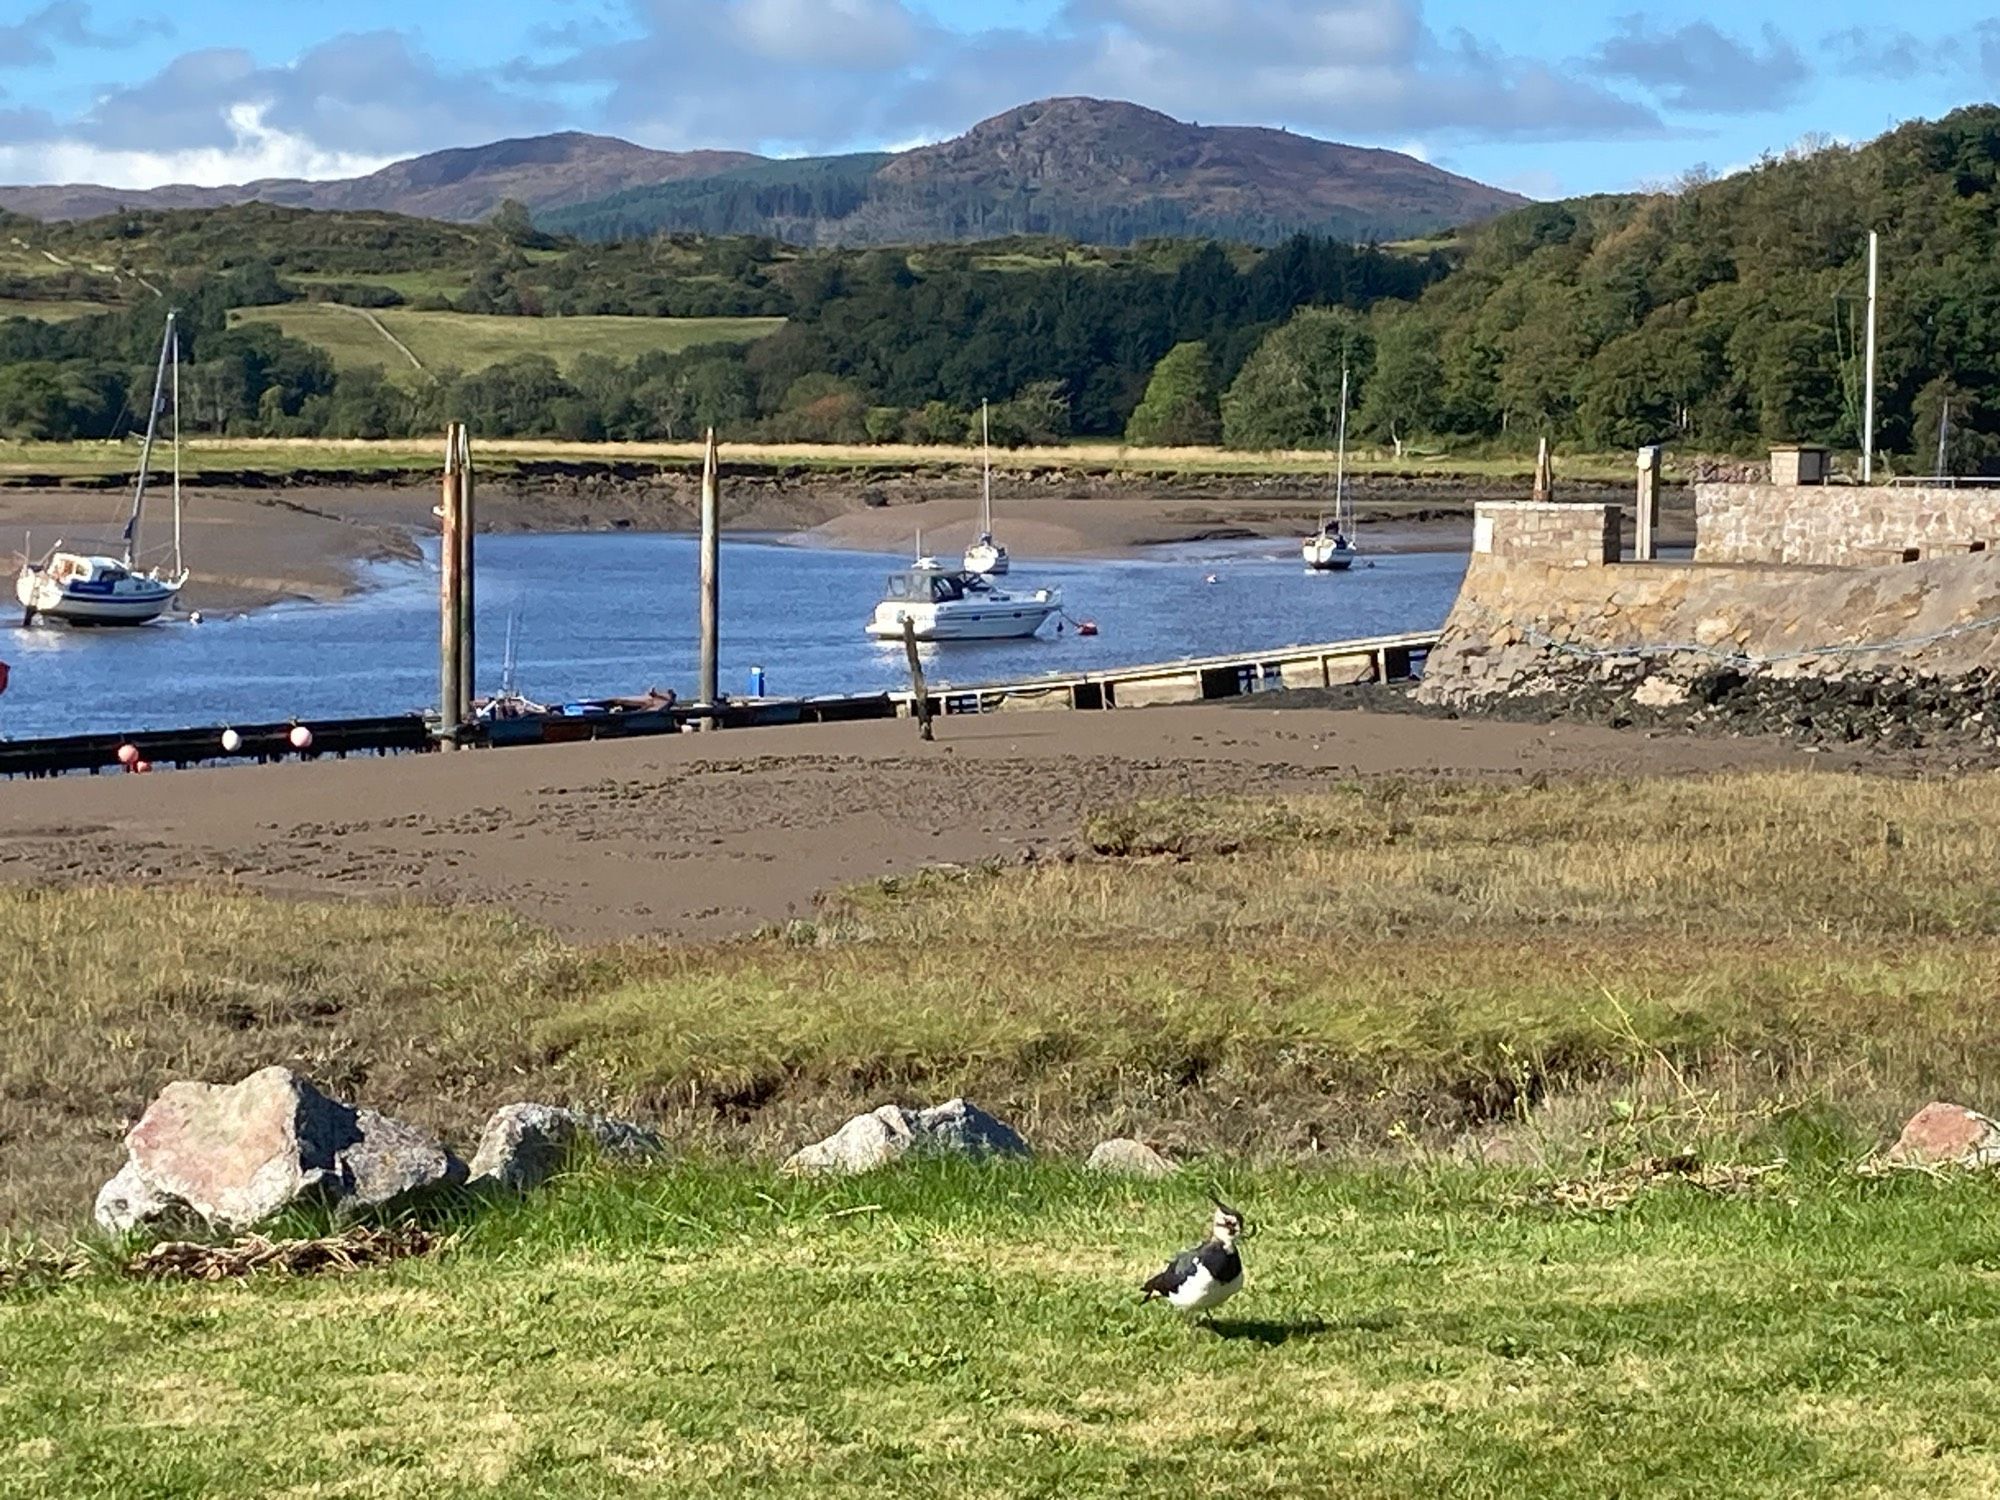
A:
(1323, 555)
(966, 620)
(986, 559)
(136, 599)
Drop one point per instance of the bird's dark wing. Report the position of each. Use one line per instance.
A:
(1223, 1263)
(1178, 1270)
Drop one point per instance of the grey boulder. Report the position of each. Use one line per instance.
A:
(235, 1154)
(890, 1133)
(523, 1145)
(1120, 1157)
(126, 1203)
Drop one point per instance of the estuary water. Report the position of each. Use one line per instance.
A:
(605, 613)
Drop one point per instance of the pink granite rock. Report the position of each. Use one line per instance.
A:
(1948, 1135)
(235, 1154)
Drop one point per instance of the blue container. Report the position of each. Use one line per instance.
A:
(756, 682)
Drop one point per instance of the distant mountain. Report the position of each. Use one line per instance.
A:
(463, 185)
(1089, 169)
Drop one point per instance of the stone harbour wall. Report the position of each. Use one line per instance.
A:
(1843, 526)
(1527, 627)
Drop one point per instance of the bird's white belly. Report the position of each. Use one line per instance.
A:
(1202, 1290)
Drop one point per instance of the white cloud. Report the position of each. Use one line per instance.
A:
(254, 150)
(824, 75)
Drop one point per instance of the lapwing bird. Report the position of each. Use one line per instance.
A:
(1207, 1276)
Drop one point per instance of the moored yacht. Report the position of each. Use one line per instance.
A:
(940, 604)
(1331, 548)
(986, 556)
(91, 588)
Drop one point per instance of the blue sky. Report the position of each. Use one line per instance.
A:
(1554, 98)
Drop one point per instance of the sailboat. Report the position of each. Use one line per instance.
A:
(1331, 548)
(91, 588)
(985, 556)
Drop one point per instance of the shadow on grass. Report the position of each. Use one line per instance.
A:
(1269, 1332)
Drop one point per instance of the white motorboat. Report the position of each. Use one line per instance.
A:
(1331, 548)
(97, 588)
(942, 605)
(986, 556)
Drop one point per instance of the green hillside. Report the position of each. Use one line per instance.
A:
(778, 198)
(409, 343)
(1728, 313)
(1723, 316)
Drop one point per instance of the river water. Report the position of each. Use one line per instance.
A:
(603, 613)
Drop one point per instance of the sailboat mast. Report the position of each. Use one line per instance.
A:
(1340, 470)
(146, 453)
(173, 334)
(986, 460)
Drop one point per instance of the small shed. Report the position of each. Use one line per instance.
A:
(1799, 463)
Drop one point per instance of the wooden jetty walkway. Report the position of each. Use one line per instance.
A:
(1389, 658)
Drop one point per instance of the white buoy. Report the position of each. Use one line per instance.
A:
(301, 737)
(128, 754)
(231, 741)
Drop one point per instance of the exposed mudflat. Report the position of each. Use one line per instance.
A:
(703, 835)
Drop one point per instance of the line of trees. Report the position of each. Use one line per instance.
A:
(1724, 314)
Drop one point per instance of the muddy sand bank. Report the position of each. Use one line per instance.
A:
(255, 546)
(706, 835)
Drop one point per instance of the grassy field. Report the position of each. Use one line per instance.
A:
(1438, 1040)
(306, 456)
(931, 1331)
(354, 337)
(438, 282)
(1543, 974)
(53, 311)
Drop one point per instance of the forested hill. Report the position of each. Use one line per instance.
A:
(1728, 313)
(1094, 170)
(1722, 316)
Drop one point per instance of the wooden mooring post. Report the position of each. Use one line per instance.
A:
(454, 549)
(711, 581)
(920, 698)
(1545, 475)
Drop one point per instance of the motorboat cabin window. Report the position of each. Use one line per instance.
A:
(939, 588)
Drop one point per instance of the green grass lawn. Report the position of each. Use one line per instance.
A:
(469, 341)
(940, 1331)
(1422, 1034)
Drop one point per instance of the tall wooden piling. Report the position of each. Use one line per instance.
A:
(920, 698)
(1545, 477)
(1649, 505)
(711, 568)
(452, 702)
(468, 577)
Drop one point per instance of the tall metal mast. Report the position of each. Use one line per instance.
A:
(146, 453)
(1868, 397)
